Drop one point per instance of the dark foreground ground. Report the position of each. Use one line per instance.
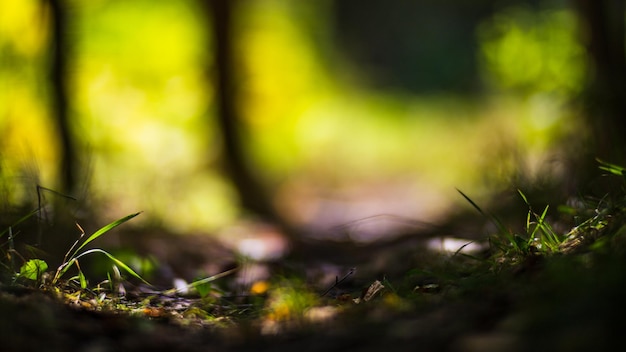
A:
(571, 301)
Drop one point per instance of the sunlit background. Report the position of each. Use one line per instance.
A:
(353, 110)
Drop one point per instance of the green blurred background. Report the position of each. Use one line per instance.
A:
(352, 110)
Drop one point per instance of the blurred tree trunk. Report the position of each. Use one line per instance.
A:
(58, 235)
(249, 190)
(58, 75)
(602, 24)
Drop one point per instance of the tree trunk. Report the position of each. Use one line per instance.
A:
(58, 75)
(249, 190)
(602, 24)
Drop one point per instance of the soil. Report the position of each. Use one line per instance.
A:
(564, 305)
(34, 321)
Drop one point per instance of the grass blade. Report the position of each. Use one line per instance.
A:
(202, 281)
(117, 262)
(523, 196)
(21, 220)
(471, 202)
(499, 225)
(62, 270)
(612, 168)
(104, 230)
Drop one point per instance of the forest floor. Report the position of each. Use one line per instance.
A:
(536, 288)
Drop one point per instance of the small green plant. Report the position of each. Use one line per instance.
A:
(506, 241)
(35, 269)
(594, 218)
(539, 237)
(74, 253)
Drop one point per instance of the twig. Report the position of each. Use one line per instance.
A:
(337, 281)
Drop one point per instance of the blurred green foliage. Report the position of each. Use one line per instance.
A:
(142, 108)
(533, 51)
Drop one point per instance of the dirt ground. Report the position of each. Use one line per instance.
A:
(564, 304)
